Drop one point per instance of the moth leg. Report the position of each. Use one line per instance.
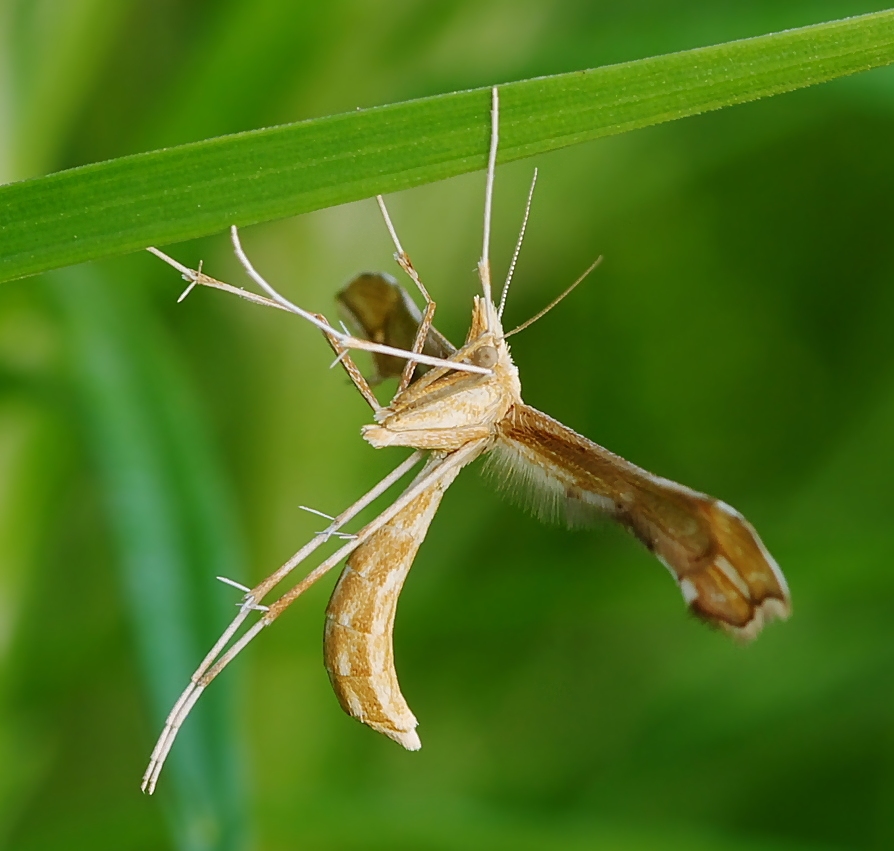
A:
(198, 277)
(457, 458)
(421, 336)
(427, 318)
(403, 260)
(216, 660)
(346, 339)
(343, 356)
(212, 667)
(349, 342)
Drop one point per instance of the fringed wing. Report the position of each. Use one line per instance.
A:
(725, 573)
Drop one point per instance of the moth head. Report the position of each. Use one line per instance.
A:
(485, 344)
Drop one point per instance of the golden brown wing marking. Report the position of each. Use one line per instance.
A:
(724, 571)
(357, 645)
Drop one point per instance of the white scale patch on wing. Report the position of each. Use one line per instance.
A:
(690, 592)
(723, 565)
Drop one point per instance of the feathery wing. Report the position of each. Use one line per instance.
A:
(723, 569)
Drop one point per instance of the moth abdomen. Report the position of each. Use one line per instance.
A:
(358, 648)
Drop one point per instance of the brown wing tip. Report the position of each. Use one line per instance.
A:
(739, 600)
(739, 587)
(769, 610)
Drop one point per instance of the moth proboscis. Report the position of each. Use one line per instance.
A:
(468, 403)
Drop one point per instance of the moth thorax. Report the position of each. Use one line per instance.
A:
(484, 356)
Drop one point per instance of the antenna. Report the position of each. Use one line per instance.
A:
(555, 301)
(518, 245)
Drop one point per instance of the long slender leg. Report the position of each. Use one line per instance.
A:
(346, 340)
(403, 260)
(418, 343)
(254, 596)
(263, 588)
(460, 458)
(343, 356)
(197, 277)
(401, 256)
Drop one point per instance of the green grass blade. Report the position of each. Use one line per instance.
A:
(174, 530)
(193, 190)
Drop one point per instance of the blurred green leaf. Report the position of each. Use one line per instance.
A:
(184, 192)
(174, 529)
(56, 58)
(453, 824)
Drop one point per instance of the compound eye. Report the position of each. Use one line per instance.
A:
(485, 356)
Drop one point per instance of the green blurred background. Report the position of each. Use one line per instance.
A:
(737, 338)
